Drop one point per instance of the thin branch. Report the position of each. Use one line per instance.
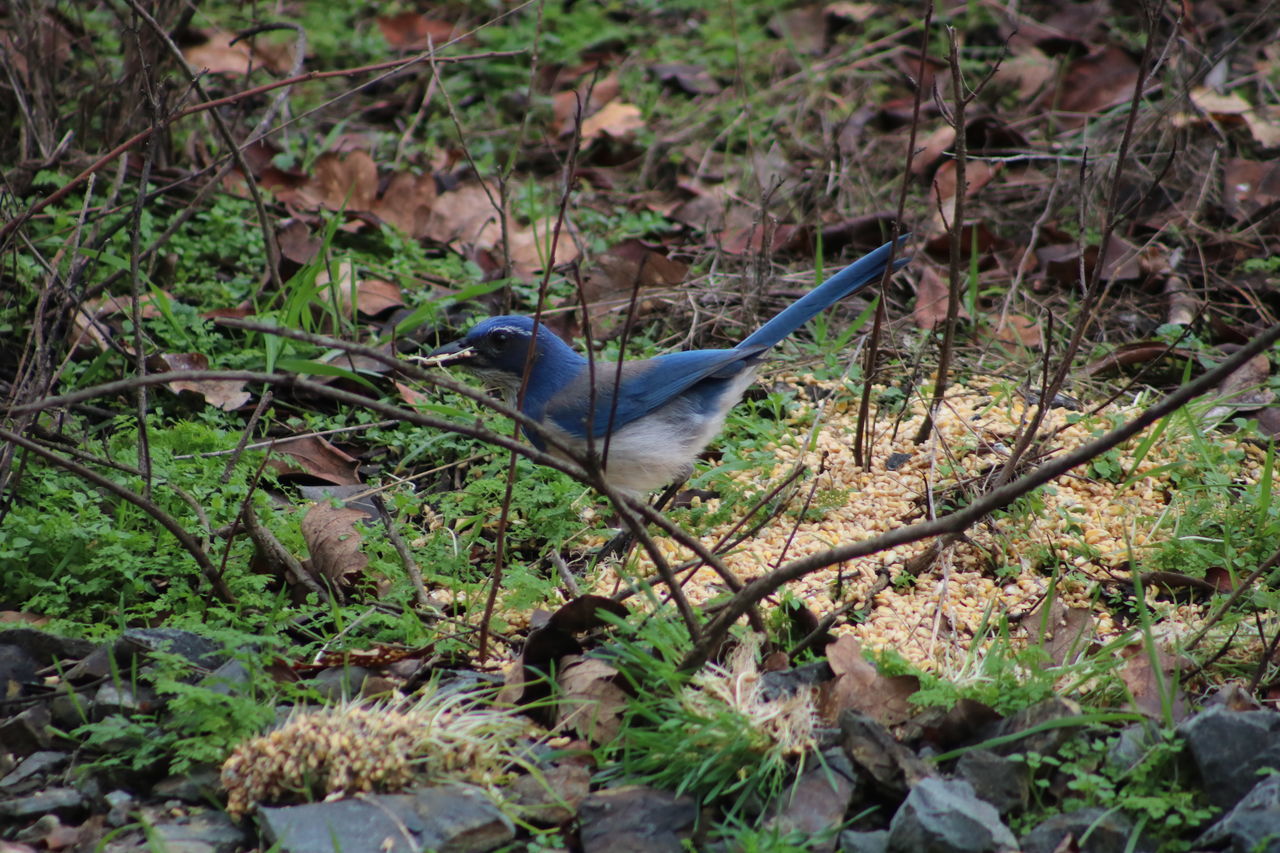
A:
(167, 521)
(961, 520)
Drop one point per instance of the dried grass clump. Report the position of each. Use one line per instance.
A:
(332, 752)
(787, 723)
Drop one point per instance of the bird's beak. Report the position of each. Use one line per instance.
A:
(451, 352)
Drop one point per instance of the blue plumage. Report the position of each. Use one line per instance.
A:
(668, 407)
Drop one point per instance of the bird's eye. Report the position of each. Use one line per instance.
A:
(501, 336)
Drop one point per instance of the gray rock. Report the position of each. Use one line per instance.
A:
(635, 819)
(945, 816)
(785, 682)
(1131, 746)
(876, 841)
(874, 751)
(206, 832)
(229, 679)
(1253, 825)
(201, 651)
(114, 699)
(1095, 830)
(1046, 742)
(27, 732)
(17, 670)
(1004, 783)
(815, 805)
(462, 818)
(120, 804)
(339, 683)
(195, 786)
(32, 768)
(1229, 748)
(45, 647)
(452, 819)
(96, 664)
(551, 797)
(60, 800)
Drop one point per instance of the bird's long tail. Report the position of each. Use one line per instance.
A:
(848, 281)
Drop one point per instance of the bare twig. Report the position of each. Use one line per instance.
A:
(93, 168)
(962, 519)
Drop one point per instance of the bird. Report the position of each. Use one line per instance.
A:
(647, 419)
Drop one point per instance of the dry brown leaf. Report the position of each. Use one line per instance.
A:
(20, 617)
(1019, 330)
(856, 12)
(466, 215)
(218, 55)
(1028, 71)
(297, 243)
(225, 394)
(752, 239)
(858, 686)
(1216, 104)
(932, 294)
(92, 332)
(1102, 79)
(372, 296)
(592, 95)
(1064, 632)
(316, 457)
(932, 148)
(341, 182)
(591, 705)
(411, 396)
(609, 284)
(1249, 186)
(407, 202)
(414, 31)
(1139, 352)
(615, 119)
(1263, 122)
(1062, 261)
(1244, 389)
(690, 79)
(55, 43)
(804, 26)
(1148, 688)
(1264, 125)
(333, 542)
(530, 245)
(943, 198)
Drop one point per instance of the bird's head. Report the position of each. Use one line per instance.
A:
(497, 349)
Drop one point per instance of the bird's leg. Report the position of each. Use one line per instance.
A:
(621, 543)
(668, 494)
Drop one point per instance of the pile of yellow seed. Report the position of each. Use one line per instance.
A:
(356, 748)
(933, 620)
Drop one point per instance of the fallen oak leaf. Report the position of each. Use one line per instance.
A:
(315, 457)
(859, 686)
(225, 394)
(371, 296)
(334, 542)
(615, 119)
(590, 703)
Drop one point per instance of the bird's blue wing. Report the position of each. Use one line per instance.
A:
(646, 385)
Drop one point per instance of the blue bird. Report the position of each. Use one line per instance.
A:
(650, 419)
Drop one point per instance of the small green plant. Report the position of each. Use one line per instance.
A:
(712, 735)
(195, 725)
(1149, 788)
(748, 839)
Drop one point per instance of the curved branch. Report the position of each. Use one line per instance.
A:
(962, 519)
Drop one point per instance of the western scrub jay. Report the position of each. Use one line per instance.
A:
(650, 418)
